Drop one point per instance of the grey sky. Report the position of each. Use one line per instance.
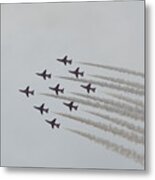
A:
(32, 37)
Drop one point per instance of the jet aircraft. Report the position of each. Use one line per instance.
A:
(88, 88)
(27, 91)
(65, 60)
(77, 73)
(53, 123)
(42, 109)
(56, 89)
(71, 106)
(44, 74)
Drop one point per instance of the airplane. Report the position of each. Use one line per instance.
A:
(77, 73)
(44, 75)
(42, 109)
(65, 60)
(56, 89)
(27, 91)
(52, 123)
(88, 88)
(71, 106)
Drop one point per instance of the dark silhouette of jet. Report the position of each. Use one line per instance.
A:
(42, 109)
(27, 91)
(65, 60)
(77, 73)
(44, 74)
(71, 106)
(56, 89)
(88, 88)
(52, 123)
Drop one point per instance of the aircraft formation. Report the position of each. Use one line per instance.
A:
(58, 90)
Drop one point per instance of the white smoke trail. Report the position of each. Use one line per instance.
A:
(108, 108)
(127, 99)
(121, 70)
(107, 128)
(119, 122)
(120, 81)
(118, 87)
(111, 102)
(126, 152)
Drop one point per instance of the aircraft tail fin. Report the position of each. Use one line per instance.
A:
(57, 125)
(82, 74)
(76, 107)
(49, 76)
(62, 90)
(32, 92)
(46, 110)
(93, 89)
(70, 61)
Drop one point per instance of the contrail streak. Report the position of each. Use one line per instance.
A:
(107, 85)
(107, 128)
(111, 102)
(120, 81)
(121, 70)
(119, 122)
(100, 106)
(128, 153)
(127, 99)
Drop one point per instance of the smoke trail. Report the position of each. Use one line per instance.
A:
(121, 70)
(107, 85)
(120, 81)
(127, 99)
(111, 102)
(107, 128)
(100, 106)
(128, 153)
(119, 122)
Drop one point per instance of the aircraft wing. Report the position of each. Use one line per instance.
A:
(41, 110)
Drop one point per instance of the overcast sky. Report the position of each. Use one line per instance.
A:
(33, 36)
